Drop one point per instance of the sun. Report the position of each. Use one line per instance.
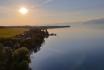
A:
(23, 10)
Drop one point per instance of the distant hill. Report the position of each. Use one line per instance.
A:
(95, 21)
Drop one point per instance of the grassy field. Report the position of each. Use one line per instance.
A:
(9, 32)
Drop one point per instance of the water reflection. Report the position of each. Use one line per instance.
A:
(15, 51)
(77, 48)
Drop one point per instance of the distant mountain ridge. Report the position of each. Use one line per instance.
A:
(95, 21)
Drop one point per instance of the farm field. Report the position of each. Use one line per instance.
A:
(9, 32)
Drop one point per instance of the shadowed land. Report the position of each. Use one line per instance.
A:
(18, 42)
(15, 51)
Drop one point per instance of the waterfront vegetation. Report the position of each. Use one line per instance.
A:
(11, 59)
(15, 50)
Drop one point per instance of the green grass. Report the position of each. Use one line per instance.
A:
(10, 32)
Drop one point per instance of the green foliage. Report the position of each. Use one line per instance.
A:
(5, 57)
(17, 59)
(21, 54)
(21, 59)
(1, 48)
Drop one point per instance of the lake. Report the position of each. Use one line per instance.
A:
(80, 47)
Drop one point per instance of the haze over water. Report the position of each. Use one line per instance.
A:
(80, 47)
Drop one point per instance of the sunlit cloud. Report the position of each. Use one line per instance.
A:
(48, 11)
(47, 1)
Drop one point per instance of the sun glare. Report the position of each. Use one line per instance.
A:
(23, 10)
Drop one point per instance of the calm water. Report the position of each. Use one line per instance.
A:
(77, 48)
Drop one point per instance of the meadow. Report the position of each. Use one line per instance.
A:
(10, 32)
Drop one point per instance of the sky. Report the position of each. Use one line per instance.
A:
(50, 11)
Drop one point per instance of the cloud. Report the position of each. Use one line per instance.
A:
(95, 21)
(46, 2)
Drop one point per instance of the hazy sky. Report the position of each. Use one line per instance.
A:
(49, 11)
